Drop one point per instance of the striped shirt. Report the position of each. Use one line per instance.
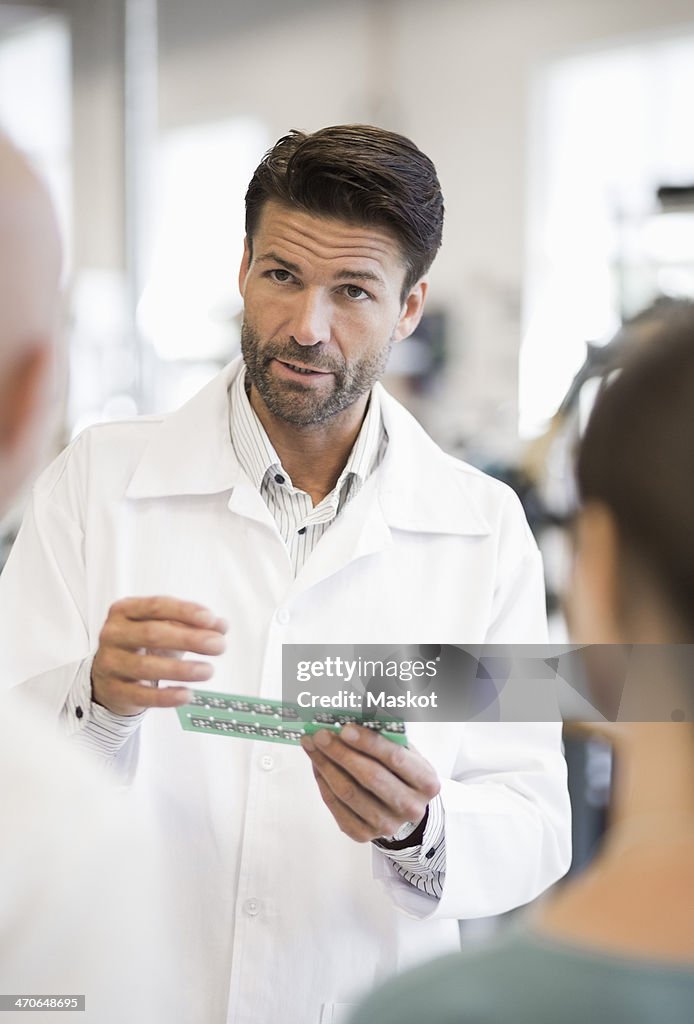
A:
(300, 523)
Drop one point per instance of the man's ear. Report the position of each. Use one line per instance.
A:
(245, 264)
(411, 312)
(23, 395)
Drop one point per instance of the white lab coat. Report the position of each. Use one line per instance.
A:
(284, 916)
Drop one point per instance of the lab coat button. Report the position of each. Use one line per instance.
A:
(251, 907)
(283, 616)
(267, 763)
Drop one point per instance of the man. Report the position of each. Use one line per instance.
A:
(294, 501)
(63, 932)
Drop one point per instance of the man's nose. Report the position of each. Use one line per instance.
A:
(311, 318)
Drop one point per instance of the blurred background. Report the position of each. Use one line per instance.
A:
(562, 132)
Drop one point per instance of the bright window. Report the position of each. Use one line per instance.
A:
(189, 303)
(610, 127)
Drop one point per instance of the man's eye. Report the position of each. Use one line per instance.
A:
(353, 291)
(279, 275)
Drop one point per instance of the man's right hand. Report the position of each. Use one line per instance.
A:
(142, 641)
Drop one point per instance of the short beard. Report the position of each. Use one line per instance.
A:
(299, 404)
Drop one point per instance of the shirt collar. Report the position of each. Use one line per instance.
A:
(253, 447)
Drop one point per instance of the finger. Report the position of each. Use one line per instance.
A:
(370, 775)
(129, 667)
(135, 695)
(188, 612)
(381, 819)
(349, 822)
(162, 635)
(405, 762)
(399, 796)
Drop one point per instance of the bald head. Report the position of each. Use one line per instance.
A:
(29, 279)
(29, 254)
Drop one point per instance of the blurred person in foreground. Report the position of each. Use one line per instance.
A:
(73, 870)
(300, 501)
(617, 944)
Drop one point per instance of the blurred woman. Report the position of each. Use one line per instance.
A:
(617, 945)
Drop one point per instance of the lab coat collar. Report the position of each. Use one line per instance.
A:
(191, 451)
(422, 488)
(419, 487)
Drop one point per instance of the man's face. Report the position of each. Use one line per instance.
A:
(322, 308)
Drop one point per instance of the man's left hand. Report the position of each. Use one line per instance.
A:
(371, 785)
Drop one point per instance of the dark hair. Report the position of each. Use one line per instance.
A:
(360, 174)
(637, 453)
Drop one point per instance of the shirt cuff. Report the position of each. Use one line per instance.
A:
(92, 726)
(430, 856)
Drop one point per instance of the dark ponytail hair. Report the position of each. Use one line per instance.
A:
(637, 453)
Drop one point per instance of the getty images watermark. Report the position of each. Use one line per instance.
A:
(493, 682)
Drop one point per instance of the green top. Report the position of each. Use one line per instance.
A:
(528, 978)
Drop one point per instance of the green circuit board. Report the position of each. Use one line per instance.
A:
(273, 721)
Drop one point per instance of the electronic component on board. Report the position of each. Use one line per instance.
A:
(273, 721)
